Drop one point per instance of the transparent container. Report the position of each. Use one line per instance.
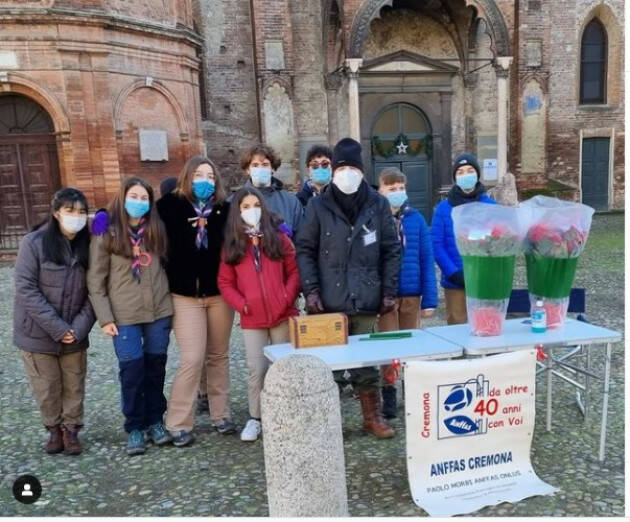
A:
(555, 308)
(486, 316)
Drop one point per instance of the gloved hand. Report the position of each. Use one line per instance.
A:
(314, 303)
(457, 279)
(387, 304)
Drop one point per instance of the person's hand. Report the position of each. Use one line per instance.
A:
(457, 279)
(427, 312)
(68, 338)
(314, 303)
(387, 304)
(110, 329)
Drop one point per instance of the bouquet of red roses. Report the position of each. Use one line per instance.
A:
(488, 238)
(556, 236)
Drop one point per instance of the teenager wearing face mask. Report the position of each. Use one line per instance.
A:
(195, 215)
(260, 162)
(258, 278)
(52, 317)
(349, 259)
(467, 188)
(318, 163)
(129, 292)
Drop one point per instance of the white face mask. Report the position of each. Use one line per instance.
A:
(347, 180)
(72, 224)
(251, 216)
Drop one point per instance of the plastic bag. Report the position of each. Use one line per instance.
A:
(486, 316)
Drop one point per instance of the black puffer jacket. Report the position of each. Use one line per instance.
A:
(351, 272)
(192, 272)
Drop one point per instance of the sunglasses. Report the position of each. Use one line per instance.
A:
(323, 164)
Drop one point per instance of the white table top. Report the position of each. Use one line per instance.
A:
(358, 354)
(518, 336)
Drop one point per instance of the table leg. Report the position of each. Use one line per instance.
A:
(587, 380)
(549, 390)
(602, 436)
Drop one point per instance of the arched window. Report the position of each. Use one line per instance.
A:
(593, 63)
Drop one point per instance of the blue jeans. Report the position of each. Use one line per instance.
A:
(141, 351)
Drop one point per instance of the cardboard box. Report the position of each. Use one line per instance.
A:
(306, 331)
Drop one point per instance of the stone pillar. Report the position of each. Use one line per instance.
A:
(353, 65)
(303, 444)
(502, 68)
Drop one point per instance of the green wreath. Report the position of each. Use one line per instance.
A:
(424, 146)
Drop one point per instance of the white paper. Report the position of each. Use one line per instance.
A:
(490, 169)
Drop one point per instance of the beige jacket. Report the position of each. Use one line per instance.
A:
(117, 297)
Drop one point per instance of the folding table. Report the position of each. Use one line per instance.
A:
(357, 354)
(517, 335)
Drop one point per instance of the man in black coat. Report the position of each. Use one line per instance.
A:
(348, 254)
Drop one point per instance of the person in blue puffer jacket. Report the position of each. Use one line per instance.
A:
(467, 189)
(416, 278)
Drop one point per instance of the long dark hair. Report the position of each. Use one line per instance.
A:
(237, 241)
(185, 178)
(118, 241)
(53, 240)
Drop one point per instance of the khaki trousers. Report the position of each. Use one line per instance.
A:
(405, 316)
(455, 306)
(257, 364)
(202, 329)
(58, 384)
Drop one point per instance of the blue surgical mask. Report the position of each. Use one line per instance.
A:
(202, 189)
(466, 182)
(396, 199)
(320, 175)
(136, 208)
(261, 176)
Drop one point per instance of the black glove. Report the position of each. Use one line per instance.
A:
(387, 304)
(314, 303)
(457, 279)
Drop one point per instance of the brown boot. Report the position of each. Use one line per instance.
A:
(373, 421)
(55, 442)
(71, 443)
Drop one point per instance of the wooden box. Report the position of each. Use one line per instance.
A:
(306, 331)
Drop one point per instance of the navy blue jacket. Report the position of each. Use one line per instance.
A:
(444, 247)
(417, 272)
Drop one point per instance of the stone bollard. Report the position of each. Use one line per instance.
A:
(303, 444)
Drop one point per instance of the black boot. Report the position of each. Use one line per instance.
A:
(389, 401)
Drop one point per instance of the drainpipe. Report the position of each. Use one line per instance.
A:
(255, 51)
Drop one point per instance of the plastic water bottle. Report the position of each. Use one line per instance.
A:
(539, 318)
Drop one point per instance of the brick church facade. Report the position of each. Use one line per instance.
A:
(95, 90)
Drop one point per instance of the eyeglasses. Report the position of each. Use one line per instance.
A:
(323, 164)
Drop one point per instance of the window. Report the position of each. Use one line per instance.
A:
(593, 63)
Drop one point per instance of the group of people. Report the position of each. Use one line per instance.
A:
(188, 260)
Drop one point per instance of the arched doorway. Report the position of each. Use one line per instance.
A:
(401, 137)
(29, 168)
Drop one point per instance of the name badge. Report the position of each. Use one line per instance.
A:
(369, 238)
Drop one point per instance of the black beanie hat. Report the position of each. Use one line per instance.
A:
(466, 159)
(347, 153)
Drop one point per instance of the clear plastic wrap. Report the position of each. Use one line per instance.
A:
(486, 316)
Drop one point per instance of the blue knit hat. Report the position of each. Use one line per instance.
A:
(466, 159)
(347, 152)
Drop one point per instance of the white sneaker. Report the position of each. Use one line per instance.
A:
(251, 431)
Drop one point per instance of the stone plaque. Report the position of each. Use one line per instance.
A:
(8, 60)
(153, 145)
(274, 55)
(533, 53)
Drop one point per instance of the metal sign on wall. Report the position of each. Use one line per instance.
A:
(469, 431)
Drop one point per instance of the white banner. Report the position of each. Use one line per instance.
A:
(469, 431)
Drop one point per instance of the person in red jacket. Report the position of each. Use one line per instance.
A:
(259, 278)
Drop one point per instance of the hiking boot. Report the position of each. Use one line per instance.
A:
(55, 442)
(136, 443)
(251, 431)
(158, 434)
(389, 401)
(183, 438)
(225, 427)
(71, 444)
(373, 421)
(202, 404)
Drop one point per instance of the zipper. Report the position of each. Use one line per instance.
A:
(261, 280)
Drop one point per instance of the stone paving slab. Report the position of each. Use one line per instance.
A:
(220, 475)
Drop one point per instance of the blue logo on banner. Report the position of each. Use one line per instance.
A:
(456, 412)
(459, 398)
(460, 425)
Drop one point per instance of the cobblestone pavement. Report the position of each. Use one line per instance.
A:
(220, 475)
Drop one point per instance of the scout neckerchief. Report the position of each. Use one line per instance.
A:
(200, 222)
(255, 234)
(139, 259)
(399, 227)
